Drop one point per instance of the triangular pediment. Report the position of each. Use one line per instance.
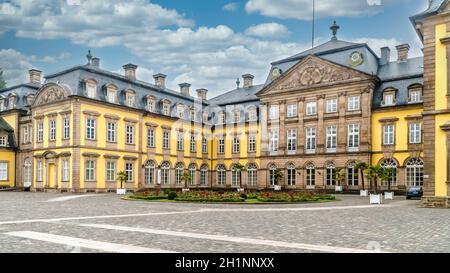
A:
(313, 72)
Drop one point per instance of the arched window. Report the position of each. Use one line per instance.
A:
(179, 169)
(352, 175)
(330, 174)
(390, 164)
(291, 175)
(193, 173)
(272, 171)
(235, 177)
(149, 174)
(252, 172)
(221, 175)
(414, 172)
(204, 175)
(165, 171)
(27, 173)
(310, 175)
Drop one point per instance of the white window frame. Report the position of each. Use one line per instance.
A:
(353, 137)
(311, 140)
(4, 169)
(204, 145)
(415, 133)
(3, 141)
(221, 175)
(129, 171)
(332, 106)
(251, 143)
(193, 144)
(291, 177)
(166, 140)
(52, 130)
(311, 108)
(388, 134)
(129, 135)
(65, 170)
(221, 146)
(111, 167)
(292, 110)
(180, 141)
(274, 112)
(331, 139)
(111, 132)
(66, 128)
(39, 171)
(90, 129)
(40, 132)
(354, 103)
(274, 138)
(292, 141)
(236, 145)
(151, 138)
(90, 170)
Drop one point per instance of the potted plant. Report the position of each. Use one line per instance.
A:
(362, 167)
(122, 177)
(278, 175)
(186, 177)
(373, 173)
(240, 168)
(339, 177)
(387, 174)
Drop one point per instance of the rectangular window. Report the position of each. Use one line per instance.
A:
(110, 171)
(389, 99)
(129, 171)
(388, 134)
(40, 132)
(252, 176)
(180, 141)
(52, 130)
(236, 116)
(90, 129)
(39, 171)
(130, 134)
(111, 135)
(90, 90)
(354, 103)
(222, 118)
(90, 171)
(236, 145)
(25, 134)
(166, 109)
(204, 177)
(415, 133)
(221, 176)
(130, 100)
(291, 176)
(166, 140)
(415, 96)
(111, 96)
(274, 112)
(252, 144)
(353, 137)
(292, 110)
(66, 128)
(331, 106)
(221, 146)
(204, 145)
(310, 140)
(65, 170)
(252, 116)
(310, 176)
(3, 171)
(311, 108)
(292, 140)
(3, 141)
(273, 140)
(352, 176)
(150, 138)
(193, 144)
(331, 139)
(330, 176)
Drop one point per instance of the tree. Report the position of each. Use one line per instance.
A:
(2, 81)
(386, 174)
(186, 177)
(362, 167)
(373, 173)
(122, 177)
(339, 176)
(277, 175)
(239, 168)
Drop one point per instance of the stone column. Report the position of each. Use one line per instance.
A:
(282, 132)
(342, 128)
(320, 138)
(301, 127)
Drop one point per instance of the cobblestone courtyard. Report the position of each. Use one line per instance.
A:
(45, 222)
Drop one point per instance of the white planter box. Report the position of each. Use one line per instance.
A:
(121, 191)
(186, 190)
(241, 190)
(376, 199)
(277, 188)
(339, 189)
(310, 187)
(389, 195)
(364, 193)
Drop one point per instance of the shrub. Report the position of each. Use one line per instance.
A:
(172, 195)
(243, 196)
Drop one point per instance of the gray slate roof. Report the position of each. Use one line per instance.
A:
(239, 95)
(22, 91)
(433, 8)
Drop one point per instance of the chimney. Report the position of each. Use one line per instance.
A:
(130, 71)
(96, 62)
(202, 94)
(184, 89)
(403, 51)
(385, 55)
(160, 80)
(35, 76)
(248, 80)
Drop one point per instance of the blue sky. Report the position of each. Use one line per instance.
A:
(207, 43)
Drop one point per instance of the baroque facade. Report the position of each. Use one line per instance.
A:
(321, 110)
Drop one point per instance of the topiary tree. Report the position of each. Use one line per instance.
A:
(2, 81)
(362, 167)
(186, 177)
(339, 176)
(239, 168)
(122, 177)
(277, 175)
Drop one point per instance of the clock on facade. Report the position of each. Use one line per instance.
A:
(356, 58)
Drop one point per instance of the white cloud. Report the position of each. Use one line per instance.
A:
(377, 43)
(302, 9)
(15, 66)
(49, 59)
(231, 6)
(268, 30)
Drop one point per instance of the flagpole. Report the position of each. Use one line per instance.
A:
(313, 24)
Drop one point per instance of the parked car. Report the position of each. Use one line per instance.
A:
(414, 192)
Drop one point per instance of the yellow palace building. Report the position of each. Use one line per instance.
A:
(318, 111)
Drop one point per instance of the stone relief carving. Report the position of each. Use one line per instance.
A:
(51, 94)
(313, 73)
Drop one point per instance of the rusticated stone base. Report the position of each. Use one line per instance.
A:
(435, 202)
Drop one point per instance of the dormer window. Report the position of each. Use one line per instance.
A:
(180, 111)
(205, 117)
(111, 93)
(252, 114)
(90, 88)
(389, 97)
(30, 99)
(12, 101)
(166, 107)
(151, 104)
(193, 114)
(130, 98)
(415, 94)
(222, 118)
(236, 116)
(2, 104)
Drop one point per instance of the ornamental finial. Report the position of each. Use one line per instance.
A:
(334, 28)
(89, 57)
(238, 83)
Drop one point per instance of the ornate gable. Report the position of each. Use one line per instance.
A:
(51, 93)
(313, 72)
